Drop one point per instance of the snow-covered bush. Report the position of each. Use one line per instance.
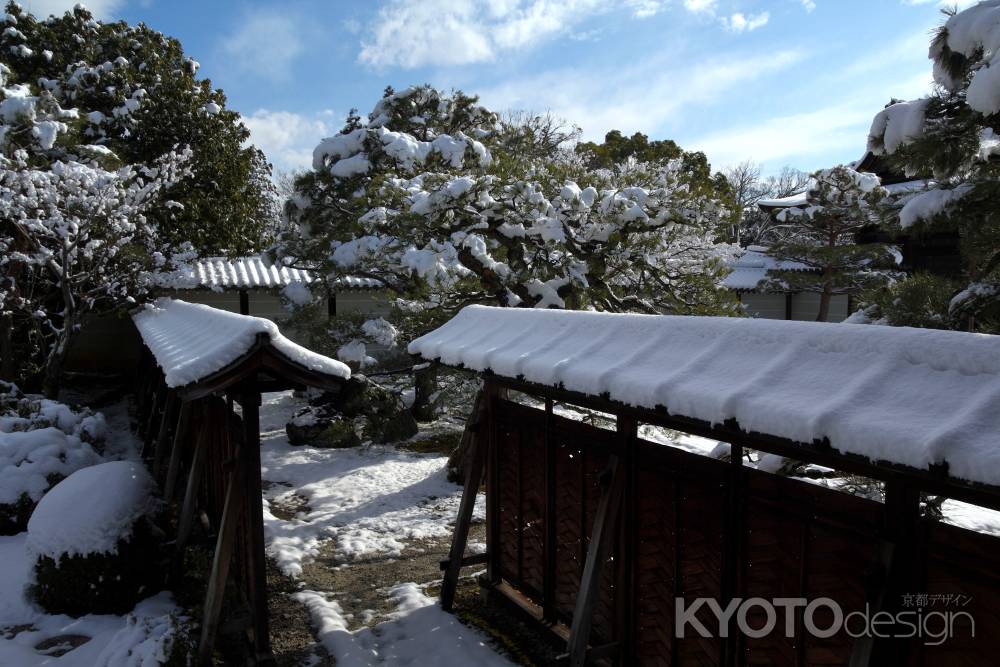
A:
(41, 443)
(93, 541)
(155, 633)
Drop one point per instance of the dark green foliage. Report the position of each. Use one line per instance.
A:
(919, 300)
(229, 203)
(109, 583)
(955, 147)
(839, 204)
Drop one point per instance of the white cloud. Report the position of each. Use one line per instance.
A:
(412, 33)
(417, 33)
(643, 97)
(740, 22)
(287, 138)
(700, 5)
(266, 44)
(42, 8)
(809, 5)
(645, 8)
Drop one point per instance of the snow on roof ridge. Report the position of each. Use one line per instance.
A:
(220, 273)
(191, 341)
(915, 397)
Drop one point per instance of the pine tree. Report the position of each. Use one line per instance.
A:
(953, 136)
(840, 202)
(449, 205)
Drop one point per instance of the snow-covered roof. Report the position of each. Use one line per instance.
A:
(192, 341)
(256, 272)
(799, 199)
(750, 268)
(914, 397)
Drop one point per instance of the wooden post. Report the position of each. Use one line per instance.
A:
(186, 518)
(788, 305)
(177, 451)
(221, 562)
(625, 558)
(160, 449)
(605, 527)
(492, 484)
(254, 504)
(732, 541)
(155, 411)
(895, 576)
(475, 462)
(331, 306)
(550, 521)
(244, 302)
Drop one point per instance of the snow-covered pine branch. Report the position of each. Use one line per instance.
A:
(425, 196)
(952, 137)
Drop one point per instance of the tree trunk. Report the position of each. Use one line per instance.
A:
(824, 301)
(54, 363)
(425, 387)
(7, 368)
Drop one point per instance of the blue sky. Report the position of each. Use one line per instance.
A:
(779, 81)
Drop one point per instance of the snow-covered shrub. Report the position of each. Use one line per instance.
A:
(41, 443)
(358, 411)
(155, 633)
(94, 544)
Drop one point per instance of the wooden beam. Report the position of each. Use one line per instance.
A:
(254, 504)
(471, 559)
(601, 537)
(177, 451)
(220, 564)
(186, 519)
(475, 462)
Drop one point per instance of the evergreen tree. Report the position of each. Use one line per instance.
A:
(840, 202)
(449, 206)
(952, 136)
(139, 96)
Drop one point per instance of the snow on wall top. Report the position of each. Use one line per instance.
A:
(191, 341)
(221, 273)
(750, 269)
(915, 397)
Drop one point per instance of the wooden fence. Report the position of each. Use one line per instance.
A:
(694, 527)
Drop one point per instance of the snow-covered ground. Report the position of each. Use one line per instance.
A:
(30, 637)
(368, 500)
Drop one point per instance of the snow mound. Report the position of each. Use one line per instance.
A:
(41, 439)
(915, 397)
(89, 511)
(192, 341)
